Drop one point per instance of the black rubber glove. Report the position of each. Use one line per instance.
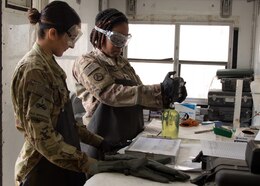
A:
(109, 148)
(167, 89)
(173, 89)
(180, 92)
(139, 167)
(105, 146)
(170, 173)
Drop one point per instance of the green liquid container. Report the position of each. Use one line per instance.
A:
(170, 123)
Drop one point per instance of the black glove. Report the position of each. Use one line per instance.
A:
(105, 146)
(167, 89)
(109, 148)
(180, 92)
(139, 167)
(173, 89)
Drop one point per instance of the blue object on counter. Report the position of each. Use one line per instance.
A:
(218, 123)
(207, 122)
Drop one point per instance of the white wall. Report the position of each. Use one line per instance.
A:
(16, 42)
(256, 83)
(257, 46)
(197, 10)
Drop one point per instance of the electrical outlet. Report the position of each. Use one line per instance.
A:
(225, 8)
(130, 7)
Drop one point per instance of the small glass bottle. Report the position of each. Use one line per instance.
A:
(170, 123)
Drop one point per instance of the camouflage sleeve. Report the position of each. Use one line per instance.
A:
(98, 81)
(88, 137)
(39, 110)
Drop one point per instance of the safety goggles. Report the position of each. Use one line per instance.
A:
(74, 34)
(117, 39)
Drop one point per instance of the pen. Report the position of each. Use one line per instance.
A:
(203, 131)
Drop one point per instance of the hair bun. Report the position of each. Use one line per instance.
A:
(34, 15)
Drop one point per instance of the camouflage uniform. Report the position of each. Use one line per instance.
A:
(39, 92)
(95, 76)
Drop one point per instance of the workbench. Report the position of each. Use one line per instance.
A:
(189, 149)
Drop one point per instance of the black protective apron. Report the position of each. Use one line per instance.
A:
(115, 124)
(46, 173)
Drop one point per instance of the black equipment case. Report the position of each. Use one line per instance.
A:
(226, 114)
(219, 171)
(229, 84)
(221, 98)
(236, 178)
(225, 172)
(234, 73)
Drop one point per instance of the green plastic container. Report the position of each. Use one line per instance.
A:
(223, 131)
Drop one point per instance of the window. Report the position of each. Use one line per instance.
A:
(196, 52)
(153, 51)
(151, 73)
(199, 79)
(151, 41)
(204, 43)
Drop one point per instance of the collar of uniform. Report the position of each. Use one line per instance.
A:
(56, 67)
(40, 51)
(50, 61)
(114, 62)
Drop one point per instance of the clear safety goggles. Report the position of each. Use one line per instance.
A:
(74, 34)
(117, 39)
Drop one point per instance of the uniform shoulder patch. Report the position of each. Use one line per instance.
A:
(40, 90)
(91, 68)
(39, 111)
(98, 76)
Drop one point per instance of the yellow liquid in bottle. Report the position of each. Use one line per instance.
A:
(170, 123)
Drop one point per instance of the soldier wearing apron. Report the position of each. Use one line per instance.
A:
(51, 152)
(111, 92)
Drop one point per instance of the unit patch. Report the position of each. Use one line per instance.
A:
(98, 76)
(39, 111)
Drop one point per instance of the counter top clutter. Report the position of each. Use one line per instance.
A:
(189, 148)
(190, 144)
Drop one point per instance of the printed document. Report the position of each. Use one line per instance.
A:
(234, 150)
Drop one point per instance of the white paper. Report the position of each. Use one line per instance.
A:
(257, 138)
(234, 150)
(188, 166)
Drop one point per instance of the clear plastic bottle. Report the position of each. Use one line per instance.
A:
(170, 123)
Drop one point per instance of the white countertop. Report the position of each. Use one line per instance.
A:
(189, 149)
